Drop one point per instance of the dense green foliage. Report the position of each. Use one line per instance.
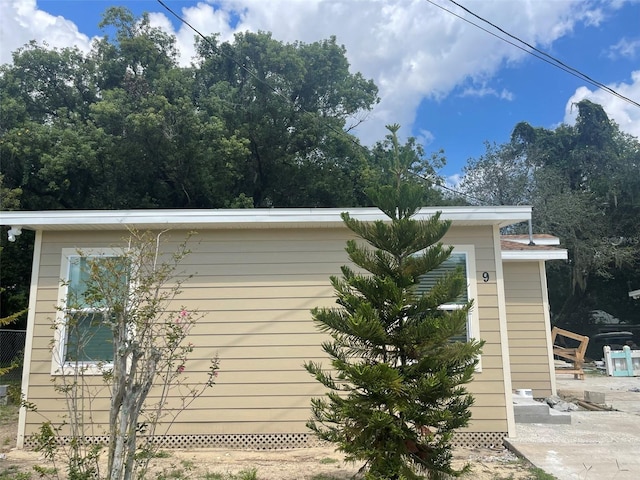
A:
(251, 123)
(396, 391)
(584, 184)
(259, 123)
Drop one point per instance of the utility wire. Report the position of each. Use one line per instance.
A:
(301, 108)
(552, 58)
(545, 57)
(242, 66)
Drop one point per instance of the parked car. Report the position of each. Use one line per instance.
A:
(616, 340)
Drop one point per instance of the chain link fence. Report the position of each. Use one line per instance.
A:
(12, 352)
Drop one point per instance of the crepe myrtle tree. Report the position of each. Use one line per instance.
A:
(396, 386)
(126, 337)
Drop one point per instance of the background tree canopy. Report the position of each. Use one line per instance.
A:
(583, 182)
(260, 123)
(251, 123)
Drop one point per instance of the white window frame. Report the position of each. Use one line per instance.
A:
(59, 366)
(473, 330)
(473, 318)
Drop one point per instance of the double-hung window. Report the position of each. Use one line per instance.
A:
(462, 258)
(84, 334)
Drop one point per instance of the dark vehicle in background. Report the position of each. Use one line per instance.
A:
(615, 339)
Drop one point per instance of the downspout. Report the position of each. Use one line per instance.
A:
(531, 242)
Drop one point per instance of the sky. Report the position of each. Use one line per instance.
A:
(446, 81)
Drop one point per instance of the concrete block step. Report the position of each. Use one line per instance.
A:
(528, 410)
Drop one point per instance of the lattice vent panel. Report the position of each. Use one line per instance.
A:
(272, 441)
(479, 439)
(279, 441)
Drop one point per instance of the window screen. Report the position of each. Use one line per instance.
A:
(88, 338)
(429, 279)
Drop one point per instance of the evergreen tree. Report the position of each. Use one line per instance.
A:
(396, 391)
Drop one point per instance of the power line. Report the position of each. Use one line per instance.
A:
(561, 64)
(242, 66)
(292, 104)
(545, 57)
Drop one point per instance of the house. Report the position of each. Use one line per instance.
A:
(527, 308)
(256, 276)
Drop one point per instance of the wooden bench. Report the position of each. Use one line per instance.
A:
(574, 355)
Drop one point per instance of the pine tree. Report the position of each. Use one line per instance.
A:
(396, 388)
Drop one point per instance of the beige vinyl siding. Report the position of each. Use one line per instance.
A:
(527, 327)
(255, 290)
(489, 412)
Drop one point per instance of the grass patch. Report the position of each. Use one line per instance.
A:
(539, 474)
(14, 473)
(328, 461)
(9, 414)
(214, 476)
(250, 474)
(180, 474)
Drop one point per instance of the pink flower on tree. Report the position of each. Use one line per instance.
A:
(182, 320)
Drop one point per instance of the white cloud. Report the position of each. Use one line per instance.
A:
(453, 181)
(425, 137)
(624, 48)
(412, 49)
(485, 91)
(204, 18)
(625, 114)
(22, 21)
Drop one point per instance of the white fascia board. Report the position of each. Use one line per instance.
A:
(537, 241)
(534, 255)
(635, 294)
(243, 218)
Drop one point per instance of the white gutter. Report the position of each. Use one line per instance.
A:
(234, 218)
(516, 255)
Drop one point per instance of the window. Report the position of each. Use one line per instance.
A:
(462, 257)
(82, 336)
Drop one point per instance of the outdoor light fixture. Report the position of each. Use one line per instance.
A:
(13, 233)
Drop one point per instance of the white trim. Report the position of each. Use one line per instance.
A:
(265, 218)
(535, 255)
(504, 336)
(547, 325)
(473, 320)
(545, 241)
(473, 330)
(635, 294)
(28, 346)
(58, 364)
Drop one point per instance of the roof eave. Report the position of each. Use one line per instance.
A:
(534, 255)
(244, 218)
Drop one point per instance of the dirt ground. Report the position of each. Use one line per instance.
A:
(296, 464)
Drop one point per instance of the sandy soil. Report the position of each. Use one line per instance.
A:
(296, 464)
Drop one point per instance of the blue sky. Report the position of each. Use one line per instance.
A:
(445, 81)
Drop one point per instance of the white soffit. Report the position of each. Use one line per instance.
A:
(536, 255)
(245, 218)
